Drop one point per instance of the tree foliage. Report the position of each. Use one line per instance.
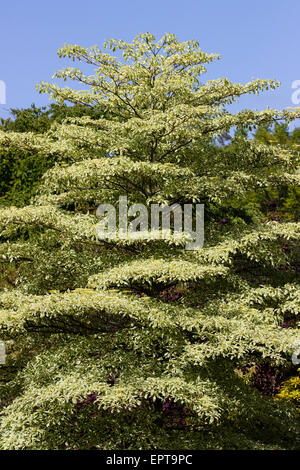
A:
(22, 168)
(139, 343)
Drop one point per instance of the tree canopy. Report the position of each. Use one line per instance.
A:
(141, 344)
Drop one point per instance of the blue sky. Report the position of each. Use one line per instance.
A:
(256, 39)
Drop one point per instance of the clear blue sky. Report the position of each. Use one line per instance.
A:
(256, 39)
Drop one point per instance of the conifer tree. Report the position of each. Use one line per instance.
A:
(139, 343)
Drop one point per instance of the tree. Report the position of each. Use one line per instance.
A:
(21, 169)
(283, 199)
(142, 344)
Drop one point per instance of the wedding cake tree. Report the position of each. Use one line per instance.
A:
(130, 343)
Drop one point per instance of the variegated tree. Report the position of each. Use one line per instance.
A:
(124, 343)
